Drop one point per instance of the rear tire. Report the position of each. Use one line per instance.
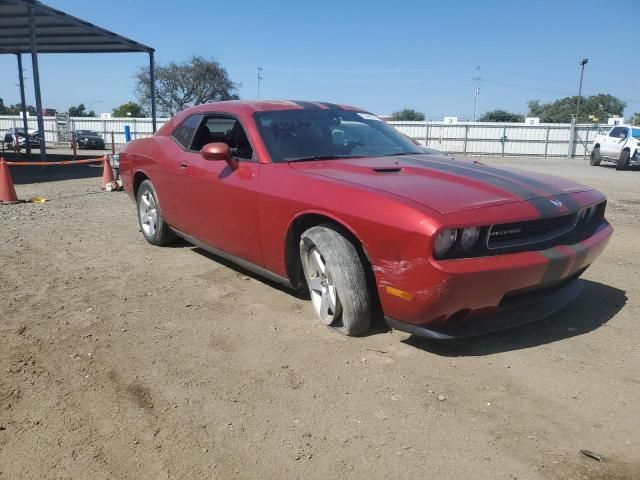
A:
(595, 157)
(153, 226)
(336, 279)
(623, 161)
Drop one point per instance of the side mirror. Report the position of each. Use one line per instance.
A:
(216, 151)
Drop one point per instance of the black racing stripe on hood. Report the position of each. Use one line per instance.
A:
(545, 207)
(498, 182)
(569, 202)
(331, 106)
(306, 105)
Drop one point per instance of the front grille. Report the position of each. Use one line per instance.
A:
(507, 235)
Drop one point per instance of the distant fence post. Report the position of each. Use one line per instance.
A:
(572, 139)
(426, 134)
(466, 136)
(546, 142)
(504, 138)
(586, 143)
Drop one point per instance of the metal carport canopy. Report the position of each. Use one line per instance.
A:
(28, 26)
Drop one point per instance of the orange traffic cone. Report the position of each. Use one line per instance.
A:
(107, 173)
(7, 191)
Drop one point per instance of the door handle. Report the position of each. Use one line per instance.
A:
(183, 166)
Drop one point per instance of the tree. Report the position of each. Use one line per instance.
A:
(635, 119)
(129, 109)
(601, 106)
(501, 116)
(408, 114)
(182, 85)
(15, 109)
(80, 111)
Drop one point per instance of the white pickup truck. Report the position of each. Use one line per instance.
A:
(620, 145)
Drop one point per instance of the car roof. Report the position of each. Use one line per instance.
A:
(248, 107)
(244, 106)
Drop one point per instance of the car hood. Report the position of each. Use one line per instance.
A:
(89, 137)
(442, 183)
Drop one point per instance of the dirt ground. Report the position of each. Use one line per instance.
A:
(123, 360)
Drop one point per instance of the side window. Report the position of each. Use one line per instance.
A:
(184, 133)
(220, 128)
(618, 132)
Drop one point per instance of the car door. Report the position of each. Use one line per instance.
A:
(612, 144)
(173, 183)
(221, 202)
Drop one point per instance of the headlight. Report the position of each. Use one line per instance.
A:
(469, 238)
(444, 241)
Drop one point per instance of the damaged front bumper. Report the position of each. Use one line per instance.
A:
(526, 309)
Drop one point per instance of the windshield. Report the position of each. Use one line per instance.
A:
(635, 132)
(296, 135)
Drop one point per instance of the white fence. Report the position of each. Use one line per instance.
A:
(502, 139)
(140, 127)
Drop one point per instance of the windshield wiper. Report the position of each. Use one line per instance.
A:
(400, 153)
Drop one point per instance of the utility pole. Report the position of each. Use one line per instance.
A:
(259, 80)
(582, 64)
(476, 79)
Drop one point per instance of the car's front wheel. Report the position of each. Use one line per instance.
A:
(595, 157)
(336, 279)
(153, 226)
(623, 160)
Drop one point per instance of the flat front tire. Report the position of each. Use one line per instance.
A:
(153, 226)
(336, 279)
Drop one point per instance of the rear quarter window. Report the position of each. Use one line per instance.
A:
(183, 134)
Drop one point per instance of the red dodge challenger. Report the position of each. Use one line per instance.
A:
(330, 200)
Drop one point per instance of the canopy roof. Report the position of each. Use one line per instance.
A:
(56, 32)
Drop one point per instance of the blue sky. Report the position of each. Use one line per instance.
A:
(380, 55)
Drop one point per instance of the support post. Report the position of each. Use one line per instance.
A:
(572, 138)
(466, 137)
(23, 102)
(546, 143)
(152, 77)
(36, 86)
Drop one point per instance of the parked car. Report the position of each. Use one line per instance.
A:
(620, 145)
(330, 200)
(11, 134)
(89, 139)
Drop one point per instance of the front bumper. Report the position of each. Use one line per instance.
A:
(526, 310)
(465, 297)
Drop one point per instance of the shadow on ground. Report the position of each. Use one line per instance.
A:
(596, 305)
(378, 324)
(33, 174)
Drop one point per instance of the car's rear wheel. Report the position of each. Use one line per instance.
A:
(336, 280)
(623, 160)
(153, 226)
(595, 157)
